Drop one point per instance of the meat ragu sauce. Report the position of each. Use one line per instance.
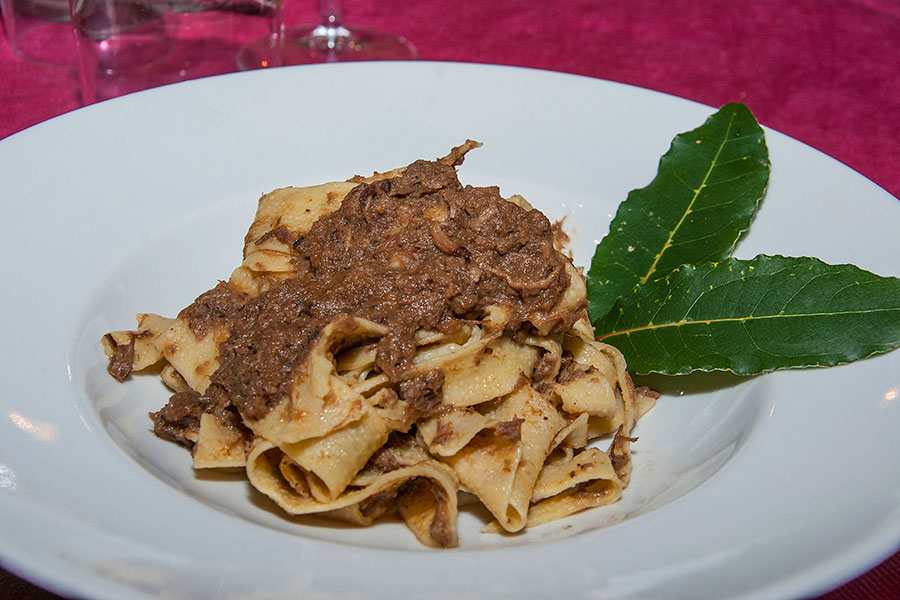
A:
(418, 251)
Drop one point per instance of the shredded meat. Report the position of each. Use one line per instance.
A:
(213, 308)
(179, 419)
(384, 461)
(440, 529)
(571, 370)
(511, 430)
(618, 451)
(443, 434)
(544, 369)
(646, 391)
(418, 251)
(281, 233)
(121, 360)
(423, 393)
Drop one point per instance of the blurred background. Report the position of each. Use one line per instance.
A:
(822, 71)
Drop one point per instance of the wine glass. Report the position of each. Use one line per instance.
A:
(328, 41)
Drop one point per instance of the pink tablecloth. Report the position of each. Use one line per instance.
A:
(826, 72)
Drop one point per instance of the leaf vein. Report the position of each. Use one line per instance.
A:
(692, 201)
(655, 328)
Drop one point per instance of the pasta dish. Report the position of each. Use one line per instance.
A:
(392, 346)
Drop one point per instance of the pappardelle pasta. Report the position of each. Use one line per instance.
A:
(391, 346)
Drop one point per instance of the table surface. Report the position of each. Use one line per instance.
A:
(825, 72)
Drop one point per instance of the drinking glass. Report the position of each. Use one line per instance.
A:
(329, 41)
(130, 45)
(39, 30)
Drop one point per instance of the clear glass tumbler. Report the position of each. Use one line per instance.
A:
(130, 45)
(39, 30)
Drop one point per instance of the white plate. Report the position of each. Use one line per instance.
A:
(770, 487)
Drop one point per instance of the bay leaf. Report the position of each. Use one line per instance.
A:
(705, 194)
(753, 316)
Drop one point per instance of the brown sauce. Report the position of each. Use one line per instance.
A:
(418, 251)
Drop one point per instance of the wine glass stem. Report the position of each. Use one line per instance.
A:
(331, 13)
(330, 34)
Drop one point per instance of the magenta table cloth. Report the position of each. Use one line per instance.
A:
(826, 72)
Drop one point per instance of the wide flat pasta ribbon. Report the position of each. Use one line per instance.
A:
(430, 507)
(501, 465)
(320, 401)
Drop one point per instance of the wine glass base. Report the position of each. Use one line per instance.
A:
(260, 53)
(311, 44)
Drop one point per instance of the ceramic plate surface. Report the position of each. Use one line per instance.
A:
(767, 487)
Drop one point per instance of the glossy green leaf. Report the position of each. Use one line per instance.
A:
(705, 194)
(753, 316)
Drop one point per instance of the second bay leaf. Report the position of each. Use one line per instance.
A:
(753, 316)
